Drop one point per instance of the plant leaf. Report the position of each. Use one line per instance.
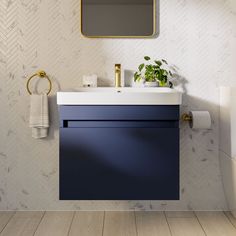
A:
(158, 63)
(147, 58)
(164, 72)
(164, 61)
(141, 67)
(137, 76)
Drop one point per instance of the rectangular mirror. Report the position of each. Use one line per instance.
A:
(118, 18)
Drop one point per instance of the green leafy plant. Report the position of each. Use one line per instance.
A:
(152, 72)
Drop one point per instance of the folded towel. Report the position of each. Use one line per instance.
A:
(39, 117)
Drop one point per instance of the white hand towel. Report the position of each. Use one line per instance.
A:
(39, 116)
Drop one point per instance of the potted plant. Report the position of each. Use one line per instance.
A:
(154, 74)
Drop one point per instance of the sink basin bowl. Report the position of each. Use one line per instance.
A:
(120, 96)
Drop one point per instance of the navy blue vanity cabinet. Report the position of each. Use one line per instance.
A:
(119, 152)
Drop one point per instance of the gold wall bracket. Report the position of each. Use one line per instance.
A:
(41, 74)
(186, 117)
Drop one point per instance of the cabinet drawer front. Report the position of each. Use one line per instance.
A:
(130, 163)
(118, 113)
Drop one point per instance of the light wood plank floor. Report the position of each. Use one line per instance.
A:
(85, 223)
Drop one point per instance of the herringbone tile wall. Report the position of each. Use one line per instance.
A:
(197, 36)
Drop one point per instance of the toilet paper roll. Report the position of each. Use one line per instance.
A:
(200, 120)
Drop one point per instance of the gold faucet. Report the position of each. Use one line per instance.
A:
(117, 75)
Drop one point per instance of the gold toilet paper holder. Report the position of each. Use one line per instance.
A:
(198, 119)
(186, 117)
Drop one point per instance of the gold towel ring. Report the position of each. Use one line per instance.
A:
(41, 74)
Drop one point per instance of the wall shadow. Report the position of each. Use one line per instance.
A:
(53, 109)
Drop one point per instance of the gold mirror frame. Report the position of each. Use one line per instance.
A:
(149, 36)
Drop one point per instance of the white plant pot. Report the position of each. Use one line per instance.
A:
(151, 84)
(138, 84)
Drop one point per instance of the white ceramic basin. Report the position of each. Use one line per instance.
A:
(120, 96)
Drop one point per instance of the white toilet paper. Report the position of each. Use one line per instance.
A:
(200, 120)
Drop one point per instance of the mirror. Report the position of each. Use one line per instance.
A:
(117, 18)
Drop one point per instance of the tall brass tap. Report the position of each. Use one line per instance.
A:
(117, 75)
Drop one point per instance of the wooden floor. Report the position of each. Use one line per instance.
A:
(107, 223)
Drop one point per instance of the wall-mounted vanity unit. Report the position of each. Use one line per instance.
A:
(119, 144)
